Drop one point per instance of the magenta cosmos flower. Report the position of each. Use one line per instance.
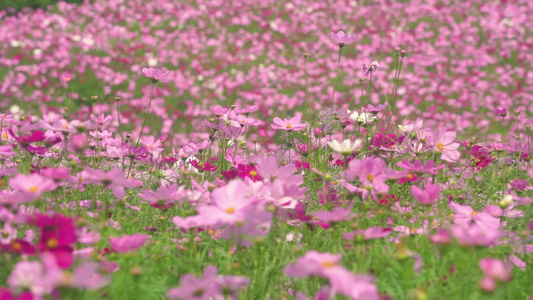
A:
(293, 124)
(157, 75)
(341, 39)
(443, 141)
(58, 235)
(128, 243)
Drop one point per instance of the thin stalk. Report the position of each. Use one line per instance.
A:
(309, 109)
(369, 88)
(71, 109)
(118, 115)
(288, 145)
(395, 87)
(335, 84)
(147, 114)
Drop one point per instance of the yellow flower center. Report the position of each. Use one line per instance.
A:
(409, 176)
(474, 213)
(253, 173)
(66, 126)
(66, 279)
(328, 264)
(4, 136)
(33, 189)
(440, 146)
(16, 246)
(243, 121)
(288, 125)
(230, 210)
(370, 177)
(452, 216)
(52, 243)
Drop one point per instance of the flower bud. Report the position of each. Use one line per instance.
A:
(505, 202)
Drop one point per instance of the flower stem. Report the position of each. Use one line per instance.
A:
(147, 114)
(118, 115)
(307, 89)
(335, 84)
(289, 144)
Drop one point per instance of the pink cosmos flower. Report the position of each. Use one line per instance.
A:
(192, 287)
(59, 174)
(495, 269)
(368, 234)
(314, 263)
(157, 75)
(328, 266)
(85, 276)
(475, 235)
(66, 77)
(32, 185)
(371, 171)
(229, 205)
(245, 120)
(341, 39)
(88, 237)
(79, 142)
(6, 150)
(218, 110)
(113, 180)
(152, 145)
(442, 237)
(370, 68)
(189, 222)
(163, 198)
(443, 141)
(376, 109)
(29, 275)
(418, 167)
(256, 224)
(269, 168)
(338, 214)
(128, 243)
(464, 215)
(416, 130)
(508, 212)
(293, 124)
(427, 196)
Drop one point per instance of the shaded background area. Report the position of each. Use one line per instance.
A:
(17, 5)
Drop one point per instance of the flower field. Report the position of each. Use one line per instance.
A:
(267, 150)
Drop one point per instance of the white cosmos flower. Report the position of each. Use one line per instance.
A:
(346, 147)
(363, 118)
